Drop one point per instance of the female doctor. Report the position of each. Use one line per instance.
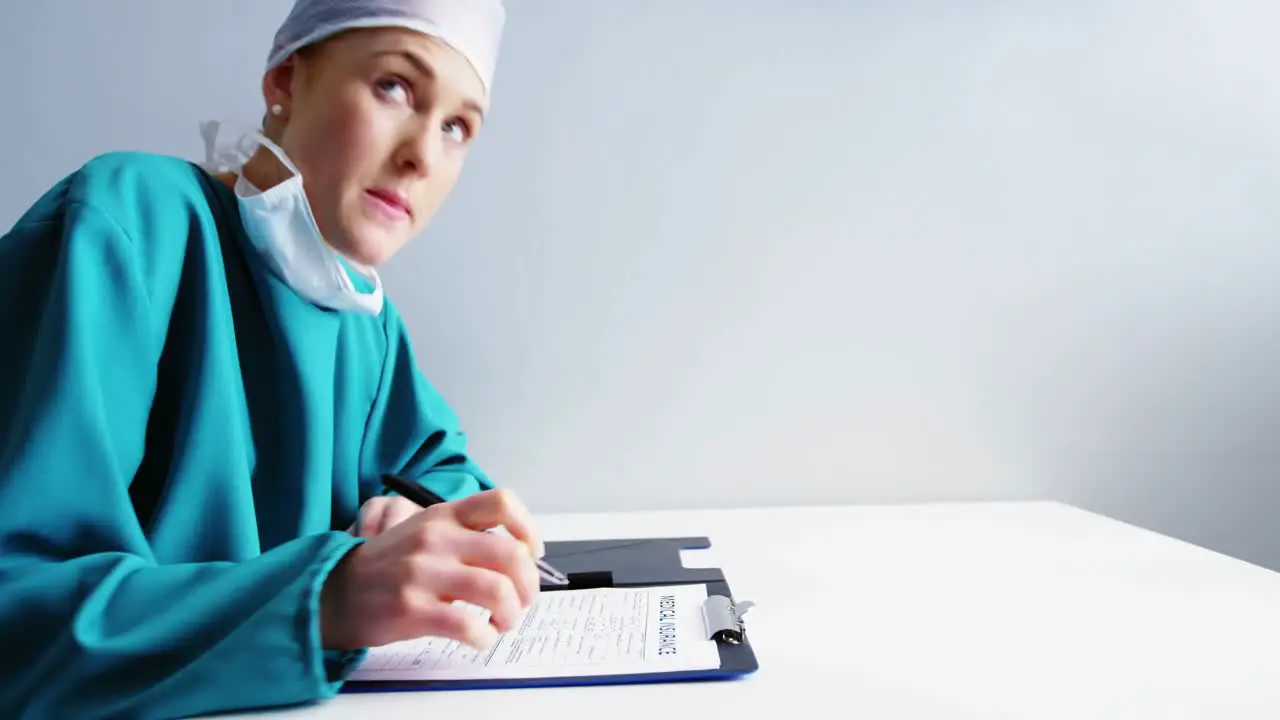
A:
(204, 386)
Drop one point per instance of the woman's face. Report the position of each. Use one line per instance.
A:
(378, 122)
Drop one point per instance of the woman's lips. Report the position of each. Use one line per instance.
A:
(390, 203)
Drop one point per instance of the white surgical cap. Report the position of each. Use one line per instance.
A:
(471, 27)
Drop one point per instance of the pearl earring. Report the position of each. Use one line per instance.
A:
(276, 110)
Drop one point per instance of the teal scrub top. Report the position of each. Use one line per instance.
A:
(184, 442)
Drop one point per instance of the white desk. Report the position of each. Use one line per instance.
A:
(941, 612)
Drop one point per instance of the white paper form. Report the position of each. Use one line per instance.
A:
(568, 633)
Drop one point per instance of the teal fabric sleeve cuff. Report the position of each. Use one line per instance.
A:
(338, 664)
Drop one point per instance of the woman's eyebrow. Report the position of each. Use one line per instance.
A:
(417, 61)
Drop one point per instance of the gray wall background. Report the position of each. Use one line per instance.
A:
(715, 252)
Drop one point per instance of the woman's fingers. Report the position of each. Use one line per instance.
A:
(481, 587)
(379, 514)
(457, 622)
(500, 507)
(370, 521)
(430, 572)
(398, 510)
(501, 554)
(504, 556)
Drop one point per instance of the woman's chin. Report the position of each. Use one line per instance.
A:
(369, 245)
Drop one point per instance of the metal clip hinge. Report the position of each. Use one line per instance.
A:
(724, 619)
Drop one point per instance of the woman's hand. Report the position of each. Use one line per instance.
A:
(402, 582)
(378, 514)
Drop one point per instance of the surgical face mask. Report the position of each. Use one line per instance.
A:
(282, 228)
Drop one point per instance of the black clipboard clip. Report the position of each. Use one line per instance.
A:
(724, 619)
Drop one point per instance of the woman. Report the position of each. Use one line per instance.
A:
(204, 387)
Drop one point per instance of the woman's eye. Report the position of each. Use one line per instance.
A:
(457, 131)
(393, 89)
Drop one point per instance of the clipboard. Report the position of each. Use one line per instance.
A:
(623, 563)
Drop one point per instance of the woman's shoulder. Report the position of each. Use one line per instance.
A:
(142, 193)
(141, 189)
(145, 209)
(157, 203)
(134, 165)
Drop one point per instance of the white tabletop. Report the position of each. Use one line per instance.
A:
(1001, 610)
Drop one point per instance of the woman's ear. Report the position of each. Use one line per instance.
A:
(278, 90)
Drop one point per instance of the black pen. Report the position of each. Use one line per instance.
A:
(423, 497)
